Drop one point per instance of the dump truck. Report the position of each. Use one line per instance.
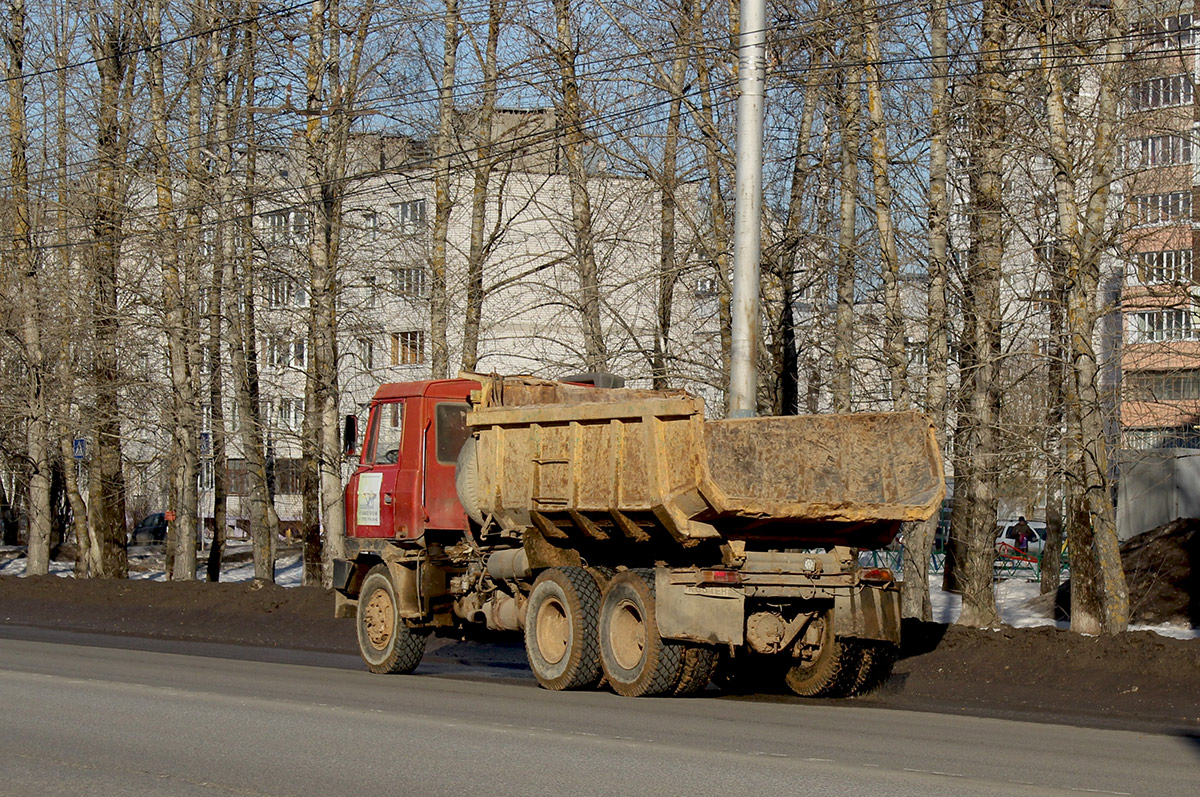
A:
(632, 541)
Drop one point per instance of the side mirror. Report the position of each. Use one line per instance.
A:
(350, 436)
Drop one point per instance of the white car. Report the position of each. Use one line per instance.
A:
(1007, 535)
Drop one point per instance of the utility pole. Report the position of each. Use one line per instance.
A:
(752, 79)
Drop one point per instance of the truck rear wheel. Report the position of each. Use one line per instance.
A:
(875, 666)
(637, 660)
(387, 645)
(828, 668)
(699, 664)
(560, 629)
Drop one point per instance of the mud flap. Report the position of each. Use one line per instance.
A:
(868, 613)
(715, 615)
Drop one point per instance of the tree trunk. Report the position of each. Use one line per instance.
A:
(1053, 450)
(920, 537)
(36, 427)
(443, 148)
(595, 353)
(668, 265)
(1099, 596)
(183, 468)
(787, 358)
(249, 429)
(310, 483)
(850, 75)
(718, 243)
(893, 327)
(979, 601)
(114, 57)
(482, 173)
(330, 94)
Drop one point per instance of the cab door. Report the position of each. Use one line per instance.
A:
(442, 444)
(374, 492)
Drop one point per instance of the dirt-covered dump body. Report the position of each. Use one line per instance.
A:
(635, 465)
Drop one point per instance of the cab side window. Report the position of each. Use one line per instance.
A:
(384, 448)
(450, 419)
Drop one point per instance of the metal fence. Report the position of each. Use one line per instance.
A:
(1010, 562)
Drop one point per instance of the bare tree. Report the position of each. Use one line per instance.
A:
(1099, 596)
(919, 538)
(893, 332)
(332, 95)
(849, 76)
(184, 467)
(565, 54)
(981, 395)
(112, 36)
(442, 205)
(24, 257)
(484, 164)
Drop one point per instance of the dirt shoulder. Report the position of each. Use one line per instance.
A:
(1138, 680)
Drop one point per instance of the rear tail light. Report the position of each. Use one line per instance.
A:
(881, 574)
(719, 577)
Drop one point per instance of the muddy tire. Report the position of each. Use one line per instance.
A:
(699, 663)
(637, 661)
(560, 629)
(876, 660)
(828, 670)
(602, 574)
(386, 644)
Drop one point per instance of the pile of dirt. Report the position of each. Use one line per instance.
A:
(1135, 680)
(1045, 670)
(246, 613)
(1159, 572)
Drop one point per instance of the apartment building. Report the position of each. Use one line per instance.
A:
(530, 320)
(1160, 359)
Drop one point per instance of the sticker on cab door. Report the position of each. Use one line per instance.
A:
(370, 488)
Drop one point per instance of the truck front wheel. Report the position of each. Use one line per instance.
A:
(560, 629)
(385, 642)
(637, 660)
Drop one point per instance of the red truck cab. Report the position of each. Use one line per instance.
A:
(404, 483)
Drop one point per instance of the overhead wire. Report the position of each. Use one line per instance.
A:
(463, 89)
(399, 101)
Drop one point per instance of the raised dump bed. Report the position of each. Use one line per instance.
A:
(632, 465)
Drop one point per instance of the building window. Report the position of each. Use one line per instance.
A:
(410, 216)
(291, 414)
(1162, 385)
(208, 243)
(410, 281)
(1164, 150)
(1161, 325)
(366, 353)
(1157, 208)
(371, 225)
(917, 354)
(408, 348)
(1165, 437)
(236, 478)
(285, 292)
(287, 353)
(372, 290)
(1167, 91)
(287, 476)
(1168, 33)
(1168, 266)
(287, 227)
(706, 287)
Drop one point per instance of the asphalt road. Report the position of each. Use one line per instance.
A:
(85, 715)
